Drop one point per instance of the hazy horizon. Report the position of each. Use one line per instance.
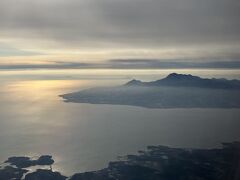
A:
(64, 65)
(34, 120)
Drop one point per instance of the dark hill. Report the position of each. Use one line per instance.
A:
(183, 80)
(174, 91)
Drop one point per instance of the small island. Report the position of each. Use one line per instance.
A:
(25, 162)
(173, 91)
(155, 163)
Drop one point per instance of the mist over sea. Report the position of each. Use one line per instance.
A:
(34, 120)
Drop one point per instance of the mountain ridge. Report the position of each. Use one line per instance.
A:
(174, 91)
(188, 80)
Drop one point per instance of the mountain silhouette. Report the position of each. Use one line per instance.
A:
(173, 91)
(188, 80)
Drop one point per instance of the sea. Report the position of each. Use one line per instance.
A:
(34, 119)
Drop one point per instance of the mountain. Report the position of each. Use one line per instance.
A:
(183, 80)
(134, 82)
(174, 91)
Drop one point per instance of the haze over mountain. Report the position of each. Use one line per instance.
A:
(182, 80)
(52, 48)
(174, 91)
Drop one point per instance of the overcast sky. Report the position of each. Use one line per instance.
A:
(46, 31)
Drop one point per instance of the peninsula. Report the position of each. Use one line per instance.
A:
(173, 91)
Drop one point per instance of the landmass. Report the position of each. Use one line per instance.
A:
(24, 162)
(155, 163)
(174, 91)
(188, 80)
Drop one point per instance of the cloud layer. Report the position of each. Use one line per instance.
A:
(122, 24)
(128, 64)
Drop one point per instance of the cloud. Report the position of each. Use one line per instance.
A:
(129, 64)
(173, 64)
(56, 65)
(122, 23)
(6, 51)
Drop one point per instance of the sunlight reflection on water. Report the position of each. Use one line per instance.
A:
(81, 137)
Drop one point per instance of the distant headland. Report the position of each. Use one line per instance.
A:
(173, 91)
(188, 80)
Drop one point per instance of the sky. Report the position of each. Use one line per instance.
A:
(119, 33)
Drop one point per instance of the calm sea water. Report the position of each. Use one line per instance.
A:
(82, 137)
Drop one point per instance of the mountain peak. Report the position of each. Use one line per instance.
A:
(175, 76)
(133, 82)
(188, 80)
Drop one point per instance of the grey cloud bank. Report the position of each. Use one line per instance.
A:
(101, 23)
(129, 64)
